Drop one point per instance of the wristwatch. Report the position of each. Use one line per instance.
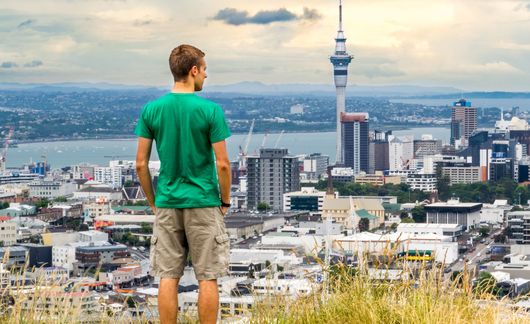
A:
(223, 204)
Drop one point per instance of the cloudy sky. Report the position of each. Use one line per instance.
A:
(470, 44)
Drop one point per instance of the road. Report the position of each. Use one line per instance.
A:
(474, 257)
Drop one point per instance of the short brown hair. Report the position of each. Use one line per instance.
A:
(182, 59)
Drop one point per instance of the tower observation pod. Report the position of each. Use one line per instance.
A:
(340, 60)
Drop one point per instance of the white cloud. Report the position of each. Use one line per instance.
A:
(460, 43)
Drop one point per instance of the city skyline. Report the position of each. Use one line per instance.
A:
(436, 44)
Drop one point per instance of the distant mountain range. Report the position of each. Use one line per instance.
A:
(71, 87)
(258, 88)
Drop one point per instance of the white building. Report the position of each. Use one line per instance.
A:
(93, 236)
(5, 276)
(98, 193)
(315, 165)
(96, 208)
(51, 275)
(290, 287)
(8, 231)
(443, 249)
(61, 304)
(494, 213)
(342, 174)
(64, 255)
(111, 176)
(307, 198)
(51, 189)
(400, 152)
(279, 257)
(450, 230)
(423, 182)
(454, 212)
(309, 243)
(83, 171)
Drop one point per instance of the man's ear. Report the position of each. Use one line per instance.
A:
(194, 70)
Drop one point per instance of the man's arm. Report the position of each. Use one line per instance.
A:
(142, 169)
(223, 171)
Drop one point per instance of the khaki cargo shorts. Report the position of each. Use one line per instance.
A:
(201, 232)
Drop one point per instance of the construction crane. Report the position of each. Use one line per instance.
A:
(405, 163)
(264, 140)
(3, 154)
(278, 139)
(242, 156)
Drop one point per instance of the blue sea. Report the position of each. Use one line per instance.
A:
(100, 152)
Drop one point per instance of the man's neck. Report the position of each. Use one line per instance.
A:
(183, 87)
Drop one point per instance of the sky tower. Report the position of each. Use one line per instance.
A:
(340, 60)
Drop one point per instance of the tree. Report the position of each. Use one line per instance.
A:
(484, 231)
(4, 205)
(60, 199)
(419, 214)
(133, 240)
(403, 214)
(146, 228)
(394, 226)
(364, 225)
(407, 220)
(263, 206)
(43, 203)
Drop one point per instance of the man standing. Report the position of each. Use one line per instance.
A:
(193, 190)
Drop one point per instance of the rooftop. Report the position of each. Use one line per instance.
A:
(126, 218)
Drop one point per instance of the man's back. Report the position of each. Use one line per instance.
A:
(184, 127)
(193, 190)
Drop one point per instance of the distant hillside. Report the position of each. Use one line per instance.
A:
(258, 88)
(482, 95)
(247, 88)
(328, 89)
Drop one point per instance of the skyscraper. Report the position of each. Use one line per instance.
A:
(340, 60)
(463, 121)
(269, 175)
(355, 141)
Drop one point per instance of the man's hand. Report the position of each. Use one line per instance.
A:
(224, 210)
(142, 169)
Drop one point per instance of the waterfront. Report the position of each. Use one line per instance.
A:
(504, 103)
(66, 153)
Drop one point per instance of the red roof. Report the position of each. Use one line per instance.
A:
(5, 218)
(352, 117)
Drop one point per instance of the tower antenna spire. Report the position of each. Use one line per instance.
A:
(340, 15)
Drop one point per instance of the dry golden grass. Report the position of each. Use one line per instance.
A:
(358, 299)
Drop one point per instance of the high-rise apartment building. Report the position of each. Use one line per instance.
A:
(400, 152)
(355, 141)
(269, 175)
(426, 147)
(463, 121)
(315, 165)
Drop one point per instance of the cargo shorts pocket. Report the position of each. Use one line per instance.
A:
(223, 249)
(222, 241)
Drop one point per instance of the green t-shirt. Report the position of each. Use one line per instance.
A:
(184, 126)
